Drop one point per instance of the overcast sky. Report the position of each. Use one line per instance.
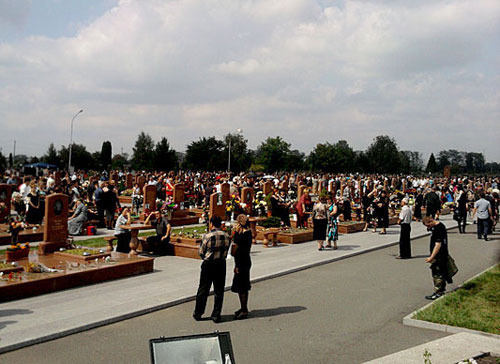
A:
(424, 72)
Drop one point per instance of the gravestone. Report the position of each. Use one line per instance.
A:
(178, 193)
(115, 177)
(149, 192)
(5, 196)
(141, 181)
(217, 205)
(225, 188)
(447, 172)
(404, 185)
(267, 188)
(129, 181)
(247, 197)
(57, 178)
(55, 232)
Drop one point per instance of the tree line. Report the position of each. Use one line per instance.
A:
(273, 154)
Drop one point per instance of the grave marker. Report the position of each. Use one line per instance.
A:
(149, 192)
(247, 197)
(55, 232)
(115, 177)
(267, 188)
(178, 193)
(129, 181)
(141, 180)
(217, 205)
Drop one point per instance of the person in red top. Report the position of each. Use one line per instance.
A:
(302, 205)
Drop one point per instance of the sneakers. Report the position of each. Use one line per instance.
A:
(434, 296)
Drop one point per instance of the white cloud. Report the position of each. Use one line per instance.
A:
(192, 68)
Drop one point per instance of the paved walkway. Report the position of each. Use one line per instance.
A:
(41, 318)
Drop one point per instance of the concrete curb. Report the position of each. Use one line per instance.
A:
(409, 321)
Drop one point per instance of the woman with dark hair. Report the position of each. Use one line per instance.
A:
(242, 244)
(34, 214)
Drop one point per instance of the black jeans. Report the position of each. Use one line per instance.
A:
(123, 243)
(482, 227)
(404, 241)
(462, 221)
(156, 245)
(211, 272)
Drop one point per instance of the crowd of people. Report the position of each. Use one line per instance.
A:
(323, 199)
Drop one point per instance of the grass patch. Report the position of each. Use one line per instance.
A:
(475, 305)
(100, 242)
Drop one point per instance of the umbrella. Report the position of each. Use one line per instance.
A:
(268, 176)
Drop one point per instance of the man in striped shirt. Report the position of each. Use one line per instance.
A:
(213, 250)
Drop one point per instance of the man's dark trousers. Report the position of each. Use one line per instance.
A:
(404, 241)
(482, 228)
(211, 272)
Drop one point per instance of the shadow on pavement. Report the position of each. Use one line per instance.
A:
(344, 247)
(4, 313)
(267, 312)
(4, 324)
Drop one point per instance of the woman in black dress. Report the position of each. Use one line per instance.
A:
(33, 215)
(241, 281)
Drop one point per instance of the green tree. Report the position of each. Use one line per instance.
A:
(431, 164)
(338, 157)
(3, 162)
(452, 158)
(474, 162)
(241, 156)
(106, 153)
(80, 157)
(51, 156)
(143, 152)
(20, 160)
(11, 160)
(296, 161)
(411, 161)
(273, 154)
(119, 161)
(206, 154)
(165, 158)
(361, 162)
(384, 155)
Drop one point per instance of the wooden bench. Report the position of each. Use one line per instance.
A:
(109, 240)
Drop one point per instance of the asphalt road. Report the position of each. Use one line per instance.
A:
(348, 311)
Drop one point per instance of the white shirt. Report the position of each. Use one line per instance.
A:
(405, 215)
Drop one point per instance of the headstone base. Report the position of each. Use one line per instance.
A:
(48, 247)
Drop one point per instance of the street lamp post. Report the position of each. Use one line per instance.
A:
(238, 131)
(71, 140)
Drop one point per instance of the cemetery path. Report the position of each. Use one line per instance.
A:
(350, 309)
